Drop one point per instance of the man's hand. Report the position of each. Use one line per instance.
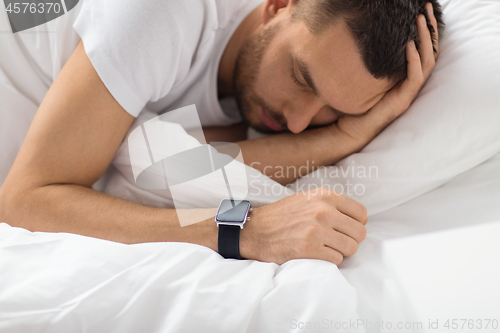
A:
(398, 99)
(318, 224)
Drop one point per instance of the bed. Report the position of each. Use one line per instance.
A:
(56, 282)
(429, 263)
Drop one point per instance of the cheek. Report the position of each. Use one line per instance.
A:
(267, 83)
(272, 82)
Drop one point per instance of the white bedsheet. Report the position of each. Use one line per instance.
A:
(399, 269)
(70, 283)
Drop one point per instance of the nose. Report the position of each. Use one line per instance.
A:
(299, 116)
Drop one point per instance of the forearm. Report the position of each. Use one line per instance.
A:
(80, 210)
(287, 157)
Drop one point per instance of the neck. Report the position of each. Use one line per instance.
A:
(228, 61)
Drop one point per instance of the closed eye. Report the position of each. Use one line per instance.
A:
(295, 79)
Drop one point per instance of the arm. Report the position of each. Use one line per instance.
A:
(71, 142)
(303, 152)
(324, 146)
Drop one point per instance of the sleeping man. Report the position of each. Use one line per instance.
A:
(324, 76)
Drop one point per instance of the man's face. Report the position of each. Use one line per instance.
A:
(286, 78)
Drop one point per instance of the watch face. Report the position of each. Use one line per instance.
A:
(233, 210)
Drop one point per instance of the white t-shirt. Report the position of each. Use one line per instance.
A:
(158, 55)
(162, 54)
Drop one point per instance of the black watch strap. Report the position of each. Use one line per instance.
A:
(229, 241)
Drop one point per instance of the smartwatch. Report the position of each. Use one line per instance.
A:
(230, 218)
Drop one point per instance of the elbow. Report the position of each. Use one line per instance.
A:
(10, 204)
(3, 205)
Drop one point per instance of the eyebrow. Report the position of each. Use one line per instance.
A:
(301, 65)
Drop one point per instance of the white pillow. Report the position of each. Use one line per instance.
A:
(453, 125)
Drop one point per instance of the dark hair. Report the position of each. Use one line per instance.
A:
(381, 28)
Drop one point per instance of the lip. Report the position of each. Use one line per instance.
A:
(269, 122)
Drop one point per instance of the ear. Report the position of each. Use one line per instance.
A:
(272, 7)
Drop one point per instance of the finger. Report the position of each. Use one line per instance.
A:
(346, 205)
(349, 227)
(432, 18)
(426, 49)
(340, 242)
(329, 254)
(411, 86)
(318, 250)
